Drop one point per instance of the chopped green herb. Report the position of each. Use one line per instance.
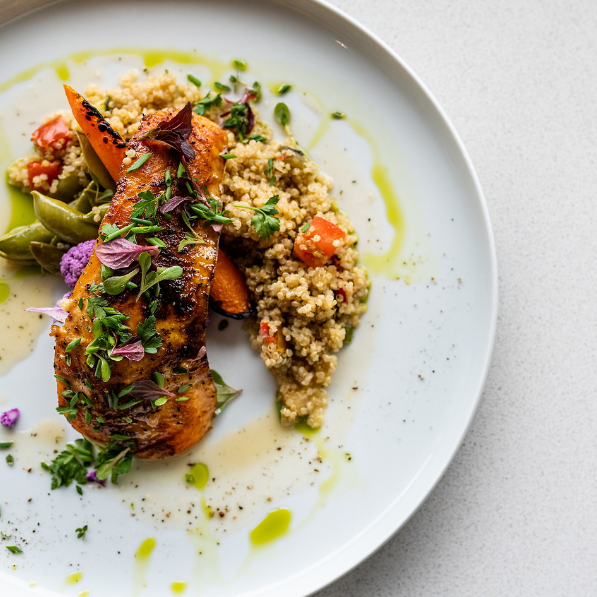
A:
(81, 532)
(189, 478)
(139, 162)
(256, 91)
(349, 330)
(147, 206)
(239, 64)
(190, 239)
(160, 401)
(338, 115)
(194, 80)
(265, 221)
(182, 399)
(10, 460)
(107, 103)
(282, 89)
(14, 549)
(114, 460)
(110, 231)
(129, 404)
(282, 115)
(183, 388)
(269, 172)
(5, 445)
(148, 335)
(221, 86)
(117, 284)
(238, 119)
(88, 417)
(79, 490)
(158, 242)
(227, 156)
(222, 325)
(306, 227)
(256, 137)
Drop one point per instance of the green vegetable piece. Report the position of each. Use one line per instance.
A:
(282, 89)
(62, 220)
(48, 256)
(348, 334)
(139, 162)
(94, 164)
(5, 445)
(160, 401)
(68, 187)
(338, 115)
(15, 245)
(10, 459)
(221, 86)
(158, 378)
(73, 344)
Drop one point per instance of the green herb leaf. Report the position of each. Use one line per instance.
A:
(239, 64)
(81, 532)
(139, 162)
(256, 91)
(256, 137)
(117, 284)
(5, 445)
(282, 116)
(71, 464)
(189, 478)
(158, 378)
(338, 115)
(190, 239)
(10, 460)
(227, 156)
(225, 394)
(265, 221)
(148, 335)
(160, 401)
(282, 89)
(306, 227)
(183, 388)
(194, 80)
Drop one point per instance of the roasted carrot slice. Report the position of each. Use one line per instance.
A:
(229, 292)
(108, 144)
(316, 245)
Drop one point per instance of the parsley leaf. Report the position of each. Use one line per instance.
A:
(265, 221)
(207, 103)
(146, 207)
(148, 335)
(71, 464)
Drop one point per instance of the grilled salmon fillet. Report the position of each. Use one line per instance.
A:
(104, 410)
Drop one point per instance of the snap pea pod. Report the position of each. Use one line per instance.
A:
(15, 244)
(63, 220)
(48, 256)
(94, 164)
(69, 187)
(92, 196)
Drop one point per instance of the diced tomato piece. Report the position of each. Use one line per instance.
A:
(341, 292)
(316, 245)
(265, 333)
(50, 132)
(36, 168)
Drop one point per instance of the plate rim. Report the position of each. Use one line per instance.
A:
(375, 535)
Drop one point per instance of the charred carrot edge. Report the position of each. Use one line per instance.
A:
(108, 144)
(229, 292)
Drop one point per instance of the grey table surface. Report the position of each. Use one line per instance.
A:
(516, 512)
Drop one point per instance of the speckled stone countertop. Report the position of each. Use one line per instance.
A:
(516, 512)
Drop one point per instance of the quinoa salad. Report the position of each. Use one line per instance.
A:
(306, 287)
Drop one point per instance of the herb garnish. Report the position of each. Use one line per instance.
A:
(269, 172)
(256, 91)
(221, 86)
(10, 460)
(151, 278)
(282, 89)
(194, 80)
(139, 162)
(225, 393)
(338, 115)
(14, 549)
(207, 103)
(81, 532)
(282, 116)
(5, 445)
(239, 64)
(265, 221)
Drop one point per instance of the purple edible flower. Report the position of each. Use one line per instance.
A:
(9, 417)
(119, 253)
(149, 390)
(73, 262)
(202, 352)
(133, 352)
(91, 476)
(56, 312)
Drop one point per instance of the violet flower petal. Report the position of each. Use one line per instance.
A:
(119, 253)
(149, 390)
(9, 417)
(91, 476)
(55, 312)
(172, 204)
(133, 352)
(202, 352)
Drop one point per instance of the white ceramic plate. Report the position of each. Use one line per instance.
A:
(405, 390)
